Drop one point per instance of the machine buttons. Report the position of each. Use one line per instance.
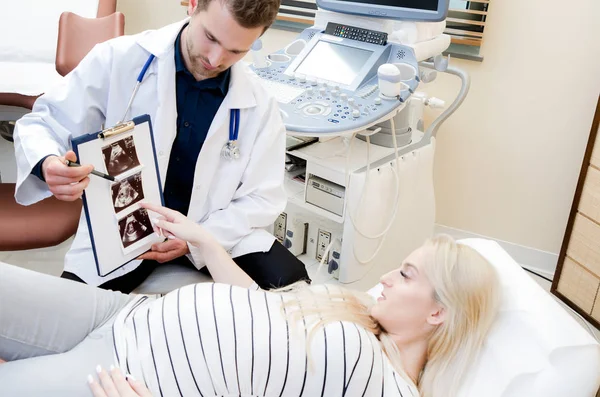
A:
(377, 101)
(312, 81)
(335, 93)
(344, 97)
(356, 113)
(323, 90)
(352, 102)
(333, 121)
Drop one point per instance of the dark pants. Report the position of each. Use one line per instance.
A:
(275, 268)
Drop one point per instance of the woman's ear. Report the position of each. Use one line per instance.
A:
(438, 316)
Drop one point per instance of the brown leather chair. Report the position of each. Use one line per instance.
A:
(51, 221)
(78, 35)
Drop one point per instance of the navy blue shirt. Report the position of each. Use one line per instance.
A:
(197, 105)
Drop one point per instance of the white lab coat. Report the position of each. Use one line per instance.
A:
(233, 199)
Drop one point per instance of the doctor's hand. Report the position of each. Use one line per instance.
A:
(166, 251)
(179, 227)
(65, 183)
(114, 384)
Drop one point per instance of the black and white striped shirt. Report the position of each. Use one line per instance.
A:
(218, 340)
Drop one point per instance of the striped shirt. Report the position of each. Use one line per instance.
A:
(219, 340)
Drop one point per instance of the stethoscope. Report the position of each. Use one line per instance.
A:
(230, 150)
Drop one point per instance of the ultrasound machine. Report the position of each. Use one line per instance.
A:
(365, 197)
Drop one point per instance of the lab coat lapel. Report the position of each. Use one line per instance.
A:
(165, 123)
(239, 96)
(161, 43)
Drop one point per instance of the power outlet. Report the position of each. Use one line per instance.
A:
(323, 240)
(280, 227)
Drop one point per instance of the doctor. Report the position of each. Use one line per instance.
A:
(189, 91)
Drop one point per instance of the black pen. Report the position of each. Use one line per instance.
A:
(100, 174)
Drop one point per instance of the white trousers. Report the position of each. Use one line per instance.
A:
(53, 333)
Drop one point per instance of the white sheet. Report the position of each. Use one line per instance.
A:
(28, 78)
(29, 31)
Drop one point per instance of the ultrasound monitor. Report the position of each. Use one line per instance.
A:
(343, 63)
(406, 10)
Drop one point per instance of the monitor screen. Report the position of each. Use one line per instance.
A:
(334, 62)
(401, 10)
(431, 5)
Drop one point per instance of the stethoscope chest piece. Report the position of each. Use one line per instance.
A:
(230, 151)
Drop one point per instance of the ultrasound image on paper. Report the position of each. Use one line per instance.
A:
(135, 227)
(120, 156)
(127, 192)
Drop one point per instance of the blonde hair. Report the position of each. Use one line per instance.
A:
(464, 283)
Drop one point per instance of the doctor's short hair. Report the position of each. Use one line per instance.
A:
(248, 13)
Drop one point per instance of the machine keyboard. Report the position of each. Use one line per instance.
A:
(282, 92)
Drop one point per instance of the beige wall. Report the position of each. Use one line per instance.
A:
(507, 162)
(142, 15)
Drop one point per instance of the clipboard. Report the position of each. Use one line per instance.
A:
(120, 230)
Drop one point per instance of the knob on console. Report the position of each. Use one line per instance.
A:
(260, 61)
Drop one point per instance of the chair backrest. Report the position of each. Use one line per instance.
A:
(106, 7)
(78, 35)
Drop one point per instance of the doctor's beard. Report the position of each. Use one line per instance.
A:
(197, 68)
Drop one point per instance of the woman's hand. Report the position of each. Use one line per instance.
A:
(115, 385)
(211, 253)
(179, 226)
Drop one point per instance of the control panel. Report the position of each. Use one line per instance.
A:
(328, 84)
(350, 32)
